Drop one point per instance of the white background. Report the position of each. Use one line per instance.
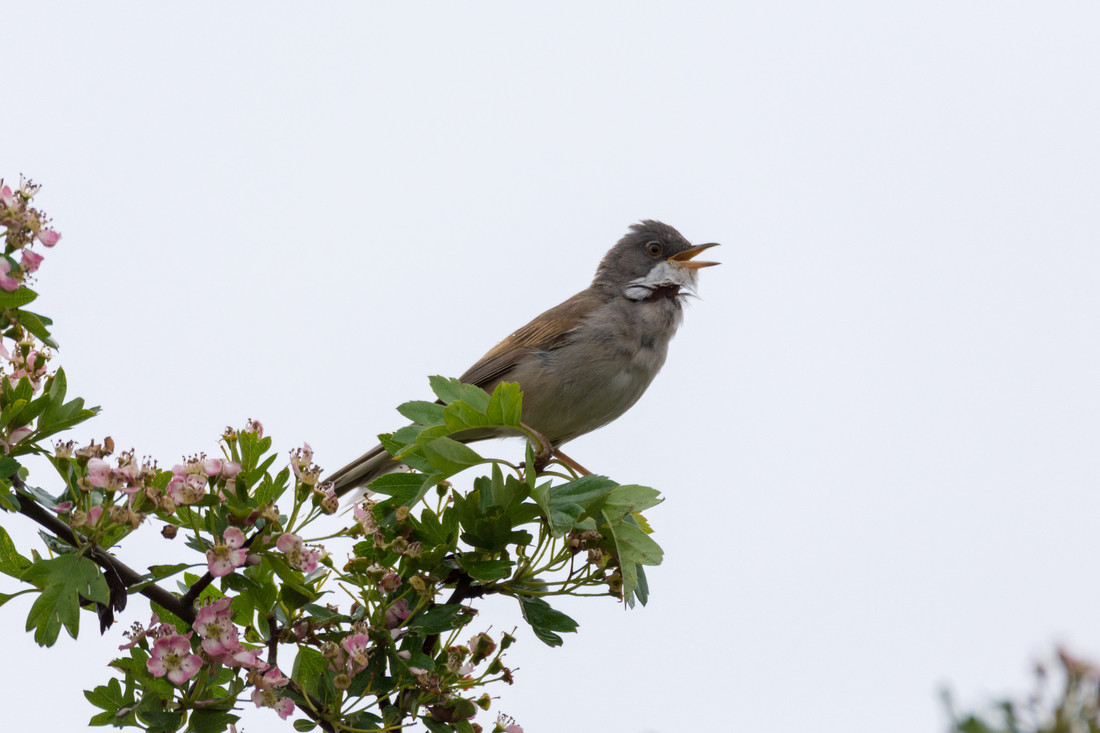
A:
(876, 432)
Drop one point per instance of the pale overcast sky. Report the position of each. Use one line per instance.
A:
(876, 432)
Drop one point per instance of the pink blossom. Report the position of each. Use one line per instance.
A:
(63, 507)
(212, 466)
(214, 625)
(224, 558)
(172, 656)
(265, 695)
(298, 556)
(300, 463)
(186, 488)
(255, 426)
(365, 517)
(220, 637)
(6, 197)
(513, 729)
(99, 472)
(30, 261)
(418, 670)
(242, 657)
(397, 613)
(93, 515)
(7, 282)
(358, 649)
(137, 633)
(230, 469)
(48, 237)
(389, 582)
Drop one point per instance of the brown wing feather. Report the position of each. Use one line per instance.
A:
(546, 332)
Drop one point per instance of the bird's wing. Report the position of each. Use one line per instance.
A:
(551, 330)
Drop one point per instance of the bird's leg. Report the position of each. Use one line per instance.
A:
(547, 452)
(571, 463)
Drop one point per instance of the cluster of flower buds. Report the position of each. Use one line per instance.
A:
(24, 225)
(301, 463)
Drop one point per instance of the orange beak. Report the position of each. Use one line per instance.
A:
(684, 259)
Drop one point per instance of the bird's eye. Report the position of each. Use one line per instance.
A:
(654, 248)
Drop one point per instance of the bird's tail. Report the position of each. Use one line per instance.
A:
(363, 470)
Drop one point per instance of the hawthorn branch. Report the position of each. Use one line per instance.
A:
(129, 577)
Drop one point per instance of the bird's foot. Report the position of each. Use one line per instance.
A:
(547, 452)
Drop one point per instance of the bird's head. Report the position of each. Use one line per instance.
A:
(652, 261)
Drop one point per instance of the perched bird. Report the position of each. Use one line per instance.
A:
(585, 362)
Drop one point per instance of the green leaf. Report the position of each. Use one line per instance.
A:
(423, 412)
(36, 324)
(452, 390)
(294, 598)
(435, 726)
(630, 499)
(438, 619)
(310, 670)
(17, 298)
(505, 405)
(449, 456)
(544, 620)
(487, 570)
(107, 697)
(565, 505)
(63, 580)
(460, 416)
(402, 487)
(163, 571)
(30, 411)
(205, 720)
(11, 562)
(5, 597)
(60, 415)
(634, 548)
(403, 441)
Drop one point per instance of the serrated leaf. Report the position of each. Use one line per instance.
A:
(439, 619)
(630, 499)
(635, 548)
(63, 580)
(309, 671)
(505, 405)
(11, 562)
(545, 620)
(487, 571)
(205, 720)
(452, 390)
(163, 571)
(565, 505)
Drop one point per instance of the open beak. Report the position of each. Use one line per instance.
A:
(684, 259)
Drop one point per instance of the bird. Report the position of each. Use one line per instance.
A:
(586, 361)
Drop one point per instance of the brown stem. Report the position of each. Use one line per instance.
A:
(130, 577)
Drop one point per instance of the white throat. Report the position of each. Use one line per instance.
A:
(663, 274)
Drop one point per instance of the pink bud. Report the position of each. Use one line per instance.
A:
(19, 434)
(6, 281)
(30, 261)
(48, 237)
(6, 197)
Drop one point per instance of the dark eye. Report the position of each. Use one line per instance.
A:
(654, 248)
